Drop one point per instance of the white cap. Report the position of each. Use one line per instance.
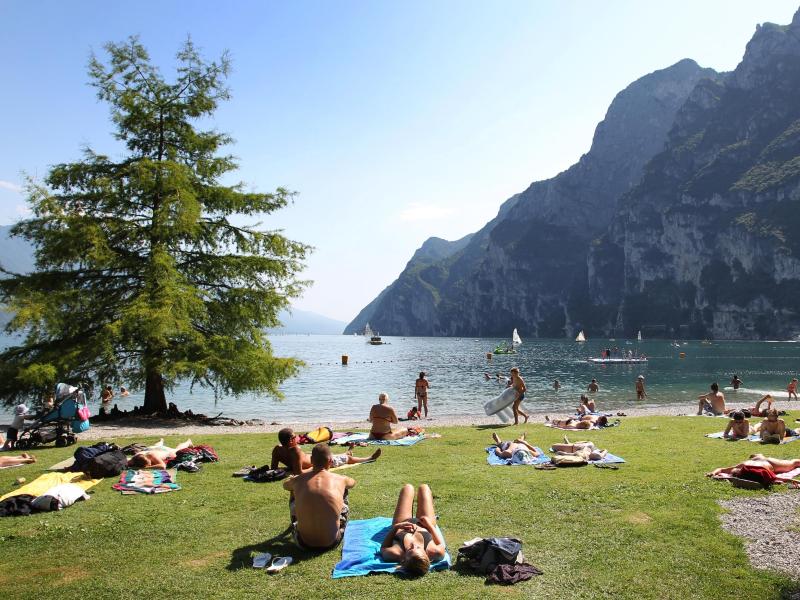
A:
(20, 409)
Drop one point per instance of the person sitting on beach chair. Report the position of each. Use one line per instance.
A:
(318, 506)
(519, 451)
(156, 456)
(738, 427)
(584, 422)
(289, 453)
(758, 461)
(13, 461)
(413, 542)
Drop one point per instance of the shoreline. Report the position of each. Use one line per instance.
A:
(154, 427)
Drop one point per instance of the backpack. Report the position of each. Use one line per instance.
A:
(483, 555)
(108, 464)
(265, 475)
(84, 454)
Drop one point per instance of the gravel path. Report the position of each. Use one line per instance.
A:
(765, 522)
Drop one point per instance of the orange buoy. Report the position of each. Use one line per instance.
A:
(345, 358)
(682, 355)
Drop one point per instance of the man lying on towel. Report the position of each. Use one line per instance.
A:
(519, 450)
(318, 503)
(289, 453)
(759, 468)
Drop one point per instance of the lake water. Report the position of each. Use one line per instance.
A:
(327, 391)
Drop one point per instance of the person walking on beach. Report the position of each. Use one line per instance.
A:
(593, 386)
(421, 386)
(641, 394)
(518, 383)
(792, 389)
(736, 382)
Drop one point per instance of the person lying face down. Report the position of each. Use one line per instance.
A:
(413, 543)
(156, 456)
(318, 507)
(289, 453)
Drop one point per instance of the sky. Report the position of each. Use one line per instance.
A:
(393, 121)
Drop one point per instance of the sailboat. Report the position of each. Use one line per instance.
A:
(581, 337)
(506, 349)
(639, 336)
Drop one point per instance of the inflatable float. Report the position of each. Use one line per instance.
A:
(501, 405)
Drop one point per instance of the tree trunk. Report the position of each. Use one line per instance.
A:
(155, 401)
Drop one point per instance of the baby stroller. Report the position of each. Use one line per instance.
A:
(69, 416)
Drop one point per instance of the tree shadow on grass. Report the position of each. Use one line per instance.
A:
(790, 591)
(280, 545)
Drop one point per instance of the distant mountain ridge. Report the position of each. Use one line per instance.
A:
(17, 256)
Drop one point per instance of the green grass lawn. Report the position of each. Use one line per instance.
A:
(648, 530)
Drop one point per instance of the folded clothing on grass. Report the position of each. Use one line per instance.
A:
(361, 550)
(409, 440)
(147, 481)
(495, 460)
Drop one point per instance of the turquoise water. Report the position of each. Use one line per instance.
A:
(326, 391)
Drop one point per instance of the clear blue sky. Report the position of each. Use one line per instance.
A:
(394, 121)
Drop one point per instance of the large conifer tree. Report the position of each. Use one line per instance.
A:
(142, 276)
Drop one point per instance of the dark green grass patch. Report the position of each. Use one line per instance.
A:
(649, 530)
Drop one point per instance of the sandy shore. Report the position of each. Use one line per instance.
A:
(132, 428)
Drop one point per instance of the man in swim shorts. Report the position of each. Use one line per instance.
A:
(518, 451)
(738, 427)
(713, 402)
(289, 453)
(318, 503)
(772, 430)
(156, 456)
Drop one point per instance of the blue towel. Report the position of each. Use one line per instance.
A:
(495, 460)
(608, 459)
(364, 437)
(361, 550)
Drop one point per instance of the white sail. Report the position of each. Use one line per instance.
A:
(368, 331)
(515, 339)
(639, 336)
(581, 337)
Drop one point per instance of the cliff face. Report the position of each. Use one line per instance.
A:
(707, 243)
(527, 267)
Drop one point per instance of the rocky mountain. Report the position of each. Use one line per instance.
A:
(527, 268)
(708, 243)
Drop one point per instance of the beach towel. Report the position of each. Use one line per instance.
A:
(495, 460)
(409, 440)
(608, 459)
(63, 465)
(361, 550)
(593, 427)
(720, 435)
(149, 481)
(41, 484)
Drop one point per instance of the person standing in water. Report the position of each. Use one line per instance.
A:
(792, 389)
(593, 386)
(421, 394)
(641, 394)
(556, 385)
(518, 383)
(736, 382)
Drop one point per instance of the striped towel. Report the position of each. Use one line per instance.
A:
(152, 481)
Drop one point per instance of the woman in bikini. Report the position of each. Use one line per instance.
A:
(156, 456)
(413, 542)
(421, 394)
(382, 416)
(585, 422)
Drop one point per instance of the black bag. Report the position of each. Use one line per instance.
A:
(85, 454)
(265, 475)
(108, 464)
(483, 555)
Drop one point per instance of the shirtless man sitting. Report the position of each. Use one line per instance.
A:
(289, 453)
(713, 402)
(382, 415)
(738, 427)
(772, 430)
(156, 456)
(758, 461)
(318, 503)
(509, 449)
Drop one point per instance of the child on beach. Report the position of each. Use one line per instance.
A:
(21, 413)
(519, 384)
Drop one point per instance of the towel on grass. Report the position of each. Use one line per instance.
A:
(495, 460)
(571, 429)
(720, 435)
(63, 465)
(608, 459)
(361, 550)
(409, 440)
(12, 466)
(781, 477)
(149, 481)
(41, 484)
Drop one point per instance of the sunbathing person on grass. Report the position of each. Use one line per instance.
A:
(772, 430)
(156, 456)
(587, 450)
(587, 405)
(382, 415)
(413, 543)
(518, 451)
(289, 453)
(318, 506)
(738, 427)
(584, 422)
(758, 461)
(13, 461)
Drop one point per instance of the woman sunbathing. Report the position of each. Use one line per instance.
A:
(414, 543)
(587, 405)
(156, 456)
(509, 449)
(13, 461)
(585, 449)
(584, 422)
(775, 465)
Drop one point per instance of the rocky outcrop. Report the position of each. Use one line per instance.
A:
(527, 268)
(707, 245)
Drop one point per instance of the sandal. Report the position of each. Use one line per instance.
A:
(279, 564)
(545, 467)
(606, 466)
(261, 560)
